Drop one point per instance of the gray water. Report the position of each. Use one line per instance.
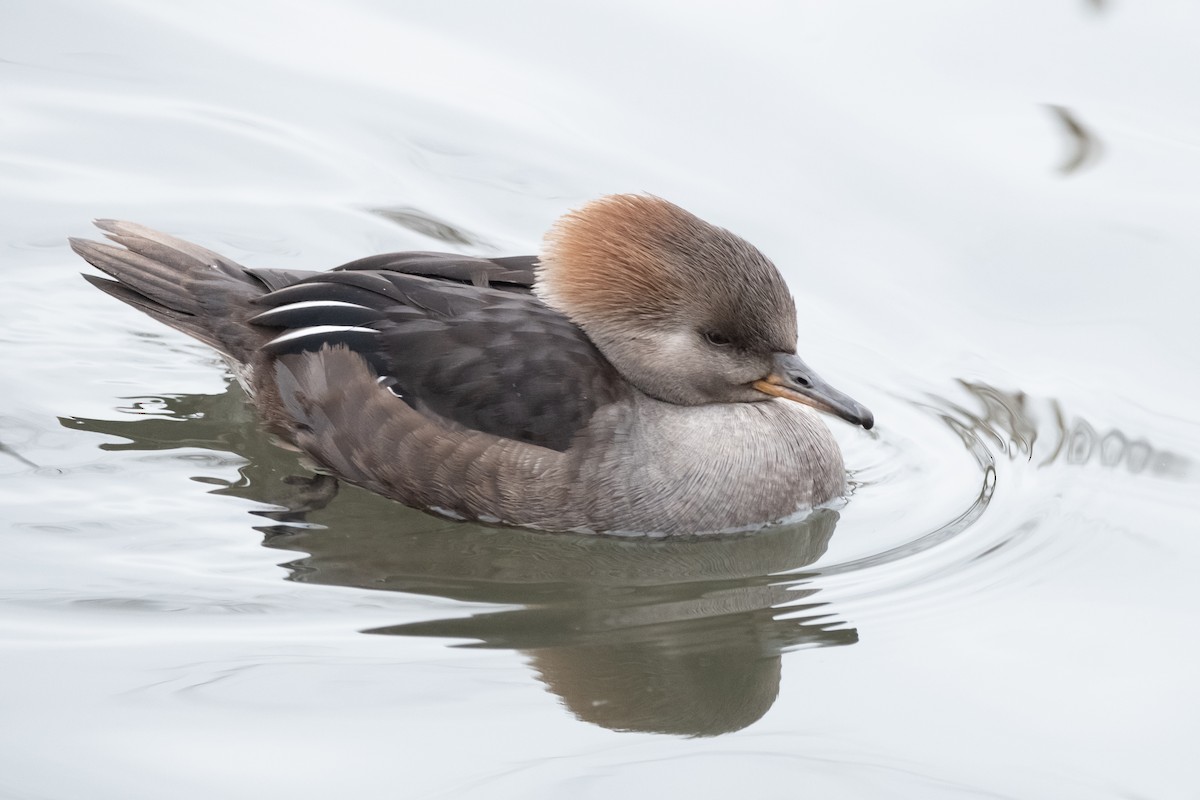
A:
(988, 215)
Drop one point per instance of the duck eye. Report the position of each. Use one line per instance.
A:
(717, 339)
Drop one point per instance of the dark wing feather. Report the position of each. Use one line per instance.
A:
(513, 273)
(495, 360)
(512, 368)
(275, 279)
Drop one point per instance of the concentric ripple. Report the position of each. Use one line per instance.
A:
(991, 442)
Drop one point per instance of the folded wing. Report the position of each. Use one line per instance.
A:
(459, 339)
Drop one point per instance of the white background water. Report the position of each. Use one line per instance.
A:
(1008, 601)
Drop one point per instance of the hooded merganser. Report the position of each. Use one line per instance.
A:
(639, 376)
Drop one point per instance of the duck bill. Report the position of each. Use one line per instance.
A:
(792, 379)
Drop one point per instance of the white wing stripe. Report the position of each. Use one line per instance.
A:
(318, 330)
(303, 304)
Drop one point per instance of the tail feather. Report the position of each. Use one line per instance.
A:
(186, 323)
(162, 247)
(158, 281)
(185, 286)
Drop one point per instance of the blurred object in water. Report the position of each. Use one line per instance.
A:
(1084, 144)
(421, 222)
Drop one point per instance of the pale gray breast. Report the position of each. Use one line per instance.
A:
(681, 469)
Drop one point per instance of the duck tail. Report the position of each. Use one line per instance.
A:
(185, 286)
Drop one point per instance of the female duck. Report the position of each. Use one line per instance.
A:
(640, 376)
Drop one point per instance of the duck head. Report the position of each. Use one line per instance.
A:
(687, 312)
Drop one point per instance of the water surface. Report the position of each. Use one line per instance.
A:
(987, 215)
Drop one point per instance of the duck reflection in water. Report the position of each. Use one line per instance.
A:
(686, 639)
